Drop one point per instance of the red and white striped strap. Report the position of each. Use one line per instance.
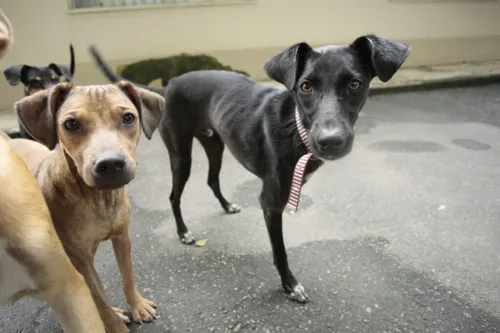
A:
(300, 167)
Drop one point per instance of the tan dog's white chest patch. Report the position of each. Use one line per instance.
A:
(14, 277)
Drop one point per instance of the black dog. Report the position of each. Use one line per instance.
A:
(326, 89)
(36, 78)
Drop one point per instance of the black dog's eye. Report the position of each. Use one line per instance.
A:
(354, 85)
(71, 125)
(306, 87)
(128, 118)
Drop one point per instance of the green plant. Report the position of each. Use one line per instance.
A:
(145, 71)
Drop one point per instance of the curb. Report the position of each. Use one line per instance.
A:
(454, 82)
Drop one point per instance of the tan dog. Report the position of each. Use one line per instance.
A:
(32, 259)
(96, 130)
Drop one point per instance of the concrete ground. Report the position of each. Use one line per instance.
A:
(400, 236)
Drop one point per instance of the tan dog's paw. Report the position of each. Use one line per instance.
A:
(122, 315)
(143, 310)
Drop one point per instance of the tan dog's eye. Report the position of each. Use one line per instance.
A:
(306, 87)
(71, 125)
(354, 85)
(128, 118)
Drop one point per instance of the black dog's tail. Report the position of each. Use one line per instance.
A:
(112, 76)
(72, 64)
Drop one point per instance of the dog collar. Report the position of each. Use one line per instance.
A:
(300, 166)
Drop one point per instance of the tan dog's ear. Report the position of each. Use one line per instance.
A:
(37, 113)
(149, 104)
(6, 33)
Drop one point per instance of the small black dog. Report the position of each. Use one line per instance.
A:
(36, 78)
(269, 130)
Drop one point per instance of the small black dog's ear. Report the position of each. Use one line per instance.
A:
(37, 112)
(287, 66)
(384, 56)
(150, 105)
(16, 74)
(61, 70)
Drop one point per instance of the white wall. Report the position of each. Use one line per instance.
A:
(245, 35)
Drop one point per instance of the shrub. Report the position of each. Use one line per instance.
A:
(145, 71)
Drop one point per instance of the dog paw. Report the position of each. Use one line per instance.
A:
(143, 310)
(188, 238)
(122, 315)
(298, 294)
(232, 208)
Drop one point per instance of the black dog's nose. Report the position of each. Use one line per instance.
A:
(331, 140)
(109, 163)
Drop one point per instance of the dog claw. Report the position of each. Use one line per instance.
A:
(233, 209)
(188, 238)
(143, 311)
(122, 315)
(298, 294)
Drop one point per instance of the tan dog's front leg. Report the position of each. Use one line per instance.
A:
(142, 309)
(113, 321)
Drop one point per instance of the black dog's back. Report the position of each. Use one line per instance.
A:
(212, 90)
(235, 107)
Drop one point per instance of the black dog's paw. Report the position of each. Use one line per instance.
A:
(187, 238)
(298, 294)
(232, 208)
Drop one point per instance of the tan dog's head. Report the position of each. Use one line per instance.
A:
(6, 33)
(98, 127)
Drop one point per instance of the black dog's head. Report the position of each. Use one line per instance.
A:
(330, 85)
(36, 78)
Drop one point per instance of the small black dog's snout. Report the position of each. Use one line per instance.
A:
(109, 163)
(331, 140)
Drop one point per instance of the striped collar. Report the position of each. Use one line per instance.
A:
(300, 166)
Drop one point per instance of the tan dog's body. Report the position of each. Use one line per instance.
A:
(89, 203)
(33, 262)
(32, 259)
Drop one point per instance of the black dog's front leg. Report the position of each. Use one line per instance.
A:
(273, 205)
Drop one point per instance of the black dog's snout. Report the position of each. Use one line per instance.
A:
(331, 140)
(109, 163)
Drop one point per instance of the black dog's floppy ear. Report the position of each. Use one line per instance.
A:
(16, 74)
(61, 70)
(385, 56)
(287, 66)
(37, 113)
(150, 105)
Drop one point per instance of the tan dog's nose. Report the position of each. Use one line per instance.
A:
(109, 164)
(111, 170)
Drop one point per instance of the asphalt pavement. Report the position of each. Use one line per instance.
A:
(403, 235)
